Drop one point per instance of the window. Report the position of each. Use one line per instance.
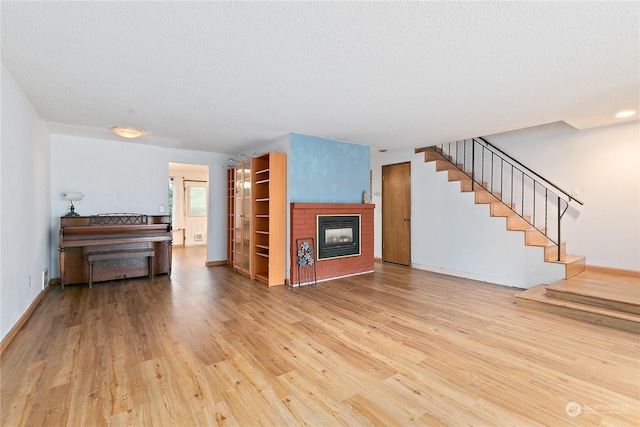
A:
(197, 200)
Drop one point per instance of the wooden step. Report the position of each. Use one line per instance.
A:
(551, 251)
(445, 165)
(431, 155)
(500, 209)
(458, 175)
(603, 301)
(601, 289)
(466, 184)
(573, 265)
(535, 237)
(518, 223)
(537, 299)
(485, 197)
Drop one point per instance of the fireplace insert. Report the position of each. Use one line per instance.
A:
(338, 236)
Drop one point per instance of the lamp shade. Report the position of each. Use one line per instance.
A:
(74, 196)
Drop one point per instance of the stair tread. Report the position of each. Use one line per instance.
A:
(543, 242)
(499, 203)
(538, 293)
(542, 239)
(567, 259)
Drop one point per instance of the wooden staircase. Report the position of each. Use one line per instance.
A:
(574, 265)
(604, 299)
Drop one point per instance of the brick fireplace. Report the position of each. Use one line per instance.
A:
(304, 225)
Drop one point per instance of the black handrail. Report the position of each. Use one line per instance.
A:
(529, 181)
(532, 171)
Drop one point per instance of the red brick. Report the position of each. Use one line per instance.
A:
(303, 225)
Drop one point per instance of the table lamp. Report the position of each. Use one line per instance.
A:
(72, 196)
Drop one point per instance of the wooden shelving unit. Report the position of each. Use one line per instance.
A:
(230, 214)
(269, 189)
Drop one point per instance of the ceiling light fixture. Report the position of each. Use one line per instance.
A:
(625, 114)
(127, 132)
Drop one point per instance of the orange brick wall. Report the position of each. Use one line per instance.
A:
(303, 226)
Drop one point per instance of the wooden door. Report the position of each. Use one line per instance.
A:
(396, 213)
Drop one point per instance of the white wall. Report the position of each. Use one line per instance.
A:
(604, 163)
(129, 177)
(24, 203)
(451, 234)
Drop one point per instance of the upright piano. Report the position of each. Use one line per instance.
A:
(113, 246)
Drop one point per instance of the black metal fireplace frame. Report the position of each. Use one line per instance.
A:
(339, 249)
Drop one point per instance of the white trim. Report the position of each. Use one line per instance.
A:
(465, 274)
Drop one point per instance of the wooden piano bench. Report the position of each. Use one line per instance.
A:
(119, 254)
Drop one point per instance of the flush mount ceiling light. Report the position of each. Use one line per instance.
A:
(625, 114)
(126, 132)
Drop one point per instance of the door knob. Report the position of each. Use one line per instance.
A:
(405, 219)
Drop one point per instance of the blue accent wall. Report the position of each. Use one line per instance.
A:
(327, 171)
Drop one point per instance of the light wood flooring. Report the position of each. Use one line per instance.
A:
(398, 347)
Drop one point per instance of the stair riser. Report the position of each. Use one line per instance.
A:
(534, 235)
(498, 209)
(465, 186)
(458, 175)
(598, 302)
(574, 268)
(515, 223)
(584, 316)
(484, 197)
(443, 165)
(430, 156)
(551, 252)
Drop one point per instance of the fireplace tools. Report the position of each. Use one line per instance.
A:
(306, 262)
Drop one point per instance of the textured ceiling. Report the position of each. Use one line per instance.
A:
(224, 76)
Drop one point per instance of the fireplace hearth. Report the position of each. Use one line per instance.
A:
(338, 236)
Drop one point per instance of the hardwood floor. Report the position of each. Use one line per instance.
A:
(393, 348)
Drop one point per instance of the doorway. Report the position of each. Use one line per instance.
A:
(396, 213)
(195, 213)
(189, 207)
